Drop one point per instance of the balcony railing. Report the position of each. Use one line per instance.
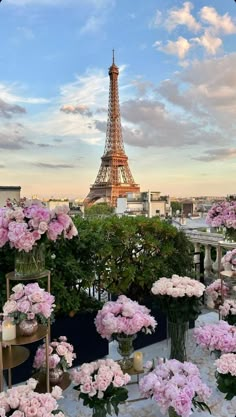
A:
(212, 246)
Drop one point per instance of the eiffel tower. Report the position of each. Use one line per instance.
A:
(114, 178)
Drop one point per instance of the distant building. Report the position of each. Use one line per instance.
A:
(12, 192)
(53, 202)
(147, 203)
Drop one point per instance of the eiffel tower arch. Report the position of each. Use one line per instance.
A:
(114, 178)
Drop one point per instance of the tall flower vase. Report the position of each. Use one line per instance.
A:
(230, 235)
(125, 349)
(172, 412)
(30, 263)
(177, 333)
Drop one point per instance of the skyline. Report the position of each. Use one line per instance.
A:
(177, 89)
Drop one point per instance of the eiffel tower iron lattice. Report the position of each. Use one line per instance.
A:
(114, 178)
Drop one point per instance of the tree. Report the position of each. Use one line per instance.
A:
(176, 206)
(99, 210)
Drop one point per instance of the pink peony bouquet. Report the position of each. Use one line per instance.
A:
(61, 354)
(226, 375)
(223, 215)
(23, 225)
(123, 317)
(29, 302)
(220, 337)
(228, 311)
(101, 386)
(230, 257)
(179, 297)
(23, 401)
(176, 385)
(217, 291)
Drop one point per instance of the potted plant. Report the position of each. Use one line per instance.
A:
(176, 387)
(60, 359)
(23, 400)
(180, 298)
(101, 386)
(226, 375)
(228, 311)
(122, 320)
(28, 305)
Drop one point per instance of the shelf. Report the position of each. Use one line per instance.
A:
(25, 340)
(14, 356)
(41, 386)
(12, 277)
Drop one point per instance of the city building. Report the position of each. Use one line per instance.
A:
(12, 192)
(146, 203)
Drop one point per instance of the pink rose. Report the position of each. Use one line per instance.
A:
(9, 307)
(61, 350)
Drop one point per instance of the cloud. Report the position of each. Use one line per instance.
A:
(157, 20)
(79, 108)
(6, 94)
(8, 110)
(206, 93)
(142, 86)
(220, 24)
(43, 145)
(2, 166)
(150, 123)
(182, 16)
(180, 47)
(13, 141)
(217, 155)
(92, 25)
(209, 42)
(52, 166)
(101, 125)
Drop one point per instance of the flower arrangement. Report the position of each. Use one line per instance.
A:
(101, 386)
(230, 257)
(226, 375)
(217, 291)
(220, 337)
(179, 297)
(176, 385)
(228, 311)
(23, 401)
(123, 317)
(23, 224)
(61, 354)
(223, 215)
(29, 302)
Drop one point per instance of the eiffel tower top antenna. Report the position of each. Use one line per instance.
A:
(113, 56)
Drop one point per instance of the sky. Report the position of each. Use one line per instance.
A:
(177, 89)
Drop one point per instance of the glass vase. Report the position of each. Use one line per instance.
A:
(177, 333)
(56, 375)
(30, 263)
(28, 327)
(172, 412)
(230, 234)
(125, 349)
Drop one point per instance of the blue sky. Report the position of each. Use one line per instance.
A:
(177, 88)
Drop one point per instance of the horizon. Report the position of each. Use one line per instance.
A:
(177, 90)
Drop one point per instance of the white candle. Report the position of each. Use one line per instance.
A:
(8, 330)
(138, 361)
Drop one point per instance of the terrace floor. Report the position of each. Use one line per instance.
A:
(148, 408)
